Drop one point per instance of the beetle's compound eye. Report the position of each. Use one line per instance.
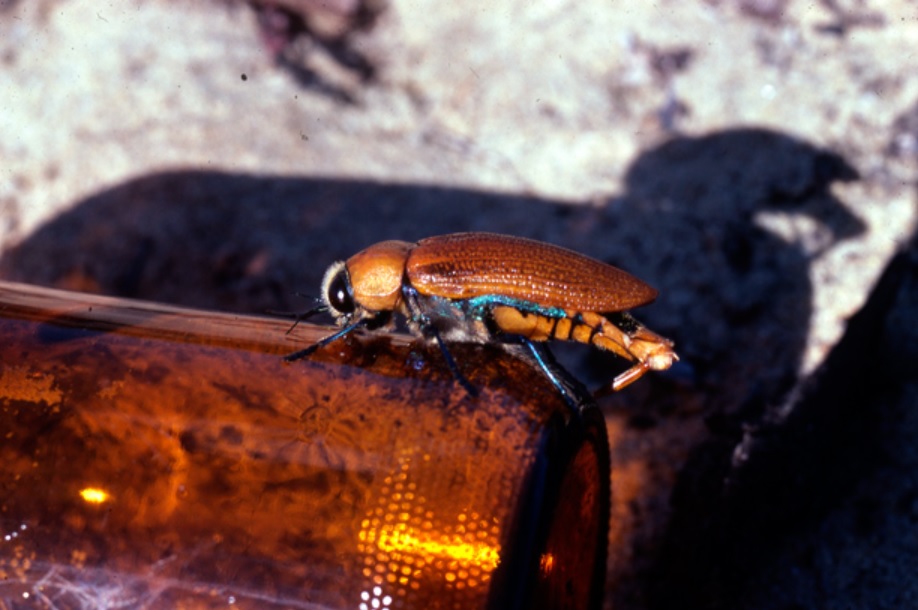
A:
(339, 293)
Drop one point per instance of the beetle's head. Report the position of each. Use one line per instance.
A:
(337, 293)
(368, 284)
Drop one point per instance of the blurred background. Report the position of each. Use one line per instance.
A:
(754, 160)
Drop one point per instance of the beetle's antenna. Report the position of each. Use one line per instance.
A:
(299, 316)
(323, 342)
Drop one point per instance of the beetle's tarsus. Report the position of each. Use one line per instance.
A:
(299, 355)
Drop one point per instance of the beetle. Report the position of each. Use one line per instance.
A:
(485, 287)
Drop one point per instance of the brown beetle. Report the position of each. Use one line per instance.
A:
(481, 287)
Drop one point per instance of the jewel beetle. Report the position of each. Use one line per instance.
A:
(484, 287)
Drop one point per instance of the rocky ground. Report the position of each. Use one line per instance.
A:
(755, 160)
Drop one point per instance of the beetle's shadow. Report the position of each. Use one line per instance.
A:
(735, 296)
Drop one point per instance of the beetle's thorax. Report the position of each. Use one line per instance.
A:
(376, 275)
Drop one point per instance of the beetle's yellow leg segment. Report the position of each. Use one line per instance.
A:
(650, 350)
(533, 326)
(563, 329)
(593, 329)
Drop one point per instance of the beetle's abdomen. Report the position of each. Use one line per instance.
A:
(467, 265)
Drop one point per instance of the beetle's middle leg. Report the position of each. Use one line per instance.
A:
(570, 389)
(419, 317)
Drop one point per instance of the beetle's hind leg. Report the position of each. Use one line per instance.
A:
(623, 335)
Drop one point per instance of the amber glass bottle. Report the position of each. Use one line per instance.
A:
(156, 457)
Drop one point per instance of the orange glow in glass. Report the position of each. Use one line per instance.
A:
(94, 495)
(465, 554)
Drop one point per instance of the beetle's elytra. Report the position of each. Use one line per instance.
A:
(481, 287)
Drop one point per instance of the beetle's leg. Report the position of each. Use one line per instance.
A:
(429, 329)
(323, 342)
(529, 325)
(622, 334)
(451, 362)
(625, 379)
(532, 330)
(618, 333)
(559, 378)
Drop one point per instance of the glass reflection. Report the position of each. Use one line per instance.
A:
(407, 539)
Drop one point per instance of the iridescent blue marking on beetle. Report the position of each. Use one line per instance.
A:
(480, 305)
